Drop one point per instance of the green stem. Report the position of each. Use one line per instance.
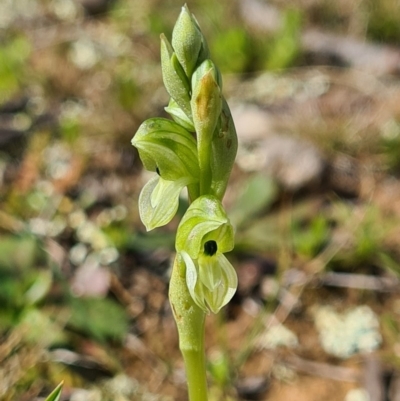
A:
(190, 321)
(204, 150)
(193, 191)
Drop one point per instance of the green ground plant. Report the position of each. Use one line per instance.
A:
(55, 394)
(196, 149)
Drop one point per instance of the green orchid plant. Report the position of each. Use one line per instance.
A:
(195, 150)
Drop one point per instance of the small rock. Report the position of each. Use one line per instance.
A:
(253, 387)
(357, 394)
(292, 162)
(251, 123)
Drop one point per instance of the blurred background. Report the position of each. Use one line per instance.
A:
(314, 88)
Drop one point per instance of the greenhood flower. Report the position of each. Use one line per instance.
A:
(169, 150)
(203, 236)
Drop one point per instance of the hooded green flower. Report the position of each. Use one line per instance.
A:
(169, 150)
(203, 236)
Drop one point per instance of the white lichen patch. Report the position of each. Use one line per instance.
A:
(278, 336)
(345, 334)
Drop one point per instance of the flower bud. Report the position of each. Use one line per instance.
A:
(204, 53)
(187, 40)
(206, 100)
(206, 106)
(175, 80)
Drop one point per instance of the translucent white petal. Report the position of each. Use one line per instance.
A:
(230, 280)
(209, 272)
(194, 286)
(158, 201)
(224, 292)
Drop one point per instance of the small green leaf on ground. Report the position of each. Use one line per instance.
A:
(100, 318)
(56, 393)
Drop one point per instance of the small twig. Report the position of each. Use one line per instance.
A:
(373, 378)
(360, 281)
(322, 369)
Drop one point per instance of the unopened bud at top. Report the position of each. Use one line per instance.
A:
(187, 40)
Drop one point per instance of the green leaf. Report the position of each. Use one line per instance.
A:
(232, 49)
(311, 239)
(13, 56)
(17, 252)
(56, 393)
(286, 46)
(99, 318)
(40, 328)
(257, 195)
(39, 288)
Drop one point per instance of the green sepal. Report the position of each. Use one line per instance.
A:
(205, 220)
(166, 147)
(175, 80)
(204, 52)
(223, 152)
(159, 200)
(187, 40)
(179, 116)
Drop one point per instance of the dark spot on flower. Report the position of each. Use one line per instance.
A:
(210, 248)
(158, 171)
